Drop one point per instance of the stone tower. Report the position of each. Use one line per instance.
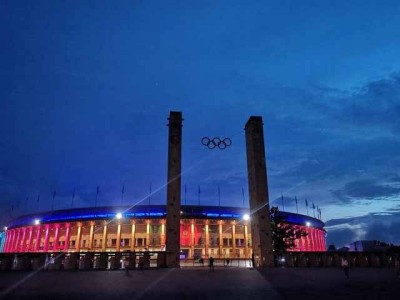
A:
(258, 193)
(174, 189)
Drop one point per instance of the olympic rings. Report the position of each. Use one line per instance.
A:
(216, 142)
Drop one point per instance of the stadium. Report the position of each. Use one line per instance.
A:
(221, 232)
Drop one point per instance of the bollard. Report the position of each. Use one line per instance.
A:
(290, 261)
(71, 261)
(146, 260)
(55, 261)
(100, 261)
(302, 261)
(337, 261)
(6, 262)
(115, 261)
(132, 260)
(162, 260)
(313, 260)
(21, 262)
(372, 260)
(37, 261)
(86, 261)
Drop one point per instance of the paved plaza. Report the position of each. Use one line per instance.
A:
(330, 283)
(187, 283)
(197, 283)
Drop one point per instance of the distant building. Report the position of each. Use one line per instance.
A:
(343, 249)
(365, 246)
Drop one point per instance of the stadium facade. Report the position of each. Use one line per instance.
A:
(221, 232)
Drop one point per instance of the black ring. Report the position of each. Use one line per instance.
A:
(227, 141)
(211, 144)
(216, 141)
(205, 141)
(221, 143)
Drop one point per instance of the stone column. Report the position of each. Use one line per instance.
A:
(22, 247)
(301, 239)
(258, 192)
(133, 236)
(298, 241)
(67, 236)
(207, 239)
(104, 244)
(91, 234)
(13, 241)
(118, 248)
(9, 237)
(162, 236)
(18, 240)
(56, 237)
(246, 242)
(38, 237)
(148, 234)
(174, 189)
(233, 239)
(308, 239)
(311, 239)
(46, 238)
(312, 244)
(317, 240)
(192, 238)
(220, 239)
(78, 237)
(321, 239)
(30, 236)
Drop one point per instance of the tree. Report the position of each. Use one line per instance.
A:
(284, 235)
(332, 248)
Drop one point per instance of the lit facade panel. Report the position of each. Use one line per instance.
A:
(204, 231)
(2, 241)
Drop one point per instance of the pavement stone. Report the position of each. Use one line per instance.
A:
(198, 283)
(331, 284)
(185, 283)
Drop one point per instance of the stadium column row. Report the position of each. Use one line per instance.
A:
(56, 237)
(228, 238)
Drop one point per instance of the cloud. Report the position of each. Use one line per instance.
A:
(340, 237)
(374, 226)
(383, 232)
(365, 189)
(373, 110)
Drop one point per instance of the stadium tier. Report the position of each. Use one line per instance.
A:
(205, 231)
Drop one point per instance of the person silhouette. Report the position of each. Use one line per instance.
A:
(345, 266)
(211, 264)
(126, 267)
